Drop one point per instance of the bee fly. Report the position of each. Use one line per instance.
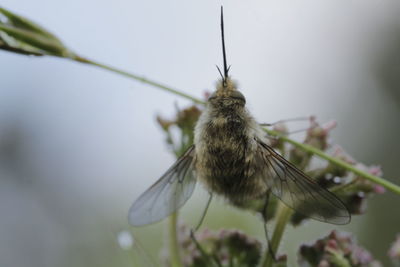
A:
(232, 159)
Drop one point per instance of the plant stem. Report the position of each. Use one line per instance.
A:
(284, 213)
(136, 77)
(378, 180)
(175, 257)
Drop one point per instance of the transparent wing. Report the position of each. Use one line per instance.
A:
(168, 194)
(299, 191)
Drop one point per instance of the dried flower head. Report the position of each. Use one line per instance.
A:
(317, 136)
(185, 120)
(352, 189)
(336, 249)
(228, 247)
(277, 143)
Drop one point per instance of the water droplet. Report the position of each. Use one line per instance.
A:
(125, 240)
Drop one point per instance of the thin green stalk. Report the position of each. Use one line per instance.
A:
(378, 180)
(174, 254)
(137, 77)
(284, 213)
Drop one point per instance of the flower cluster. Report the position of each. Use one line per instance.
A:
(336, 249)
(353, 190)
(222, 248)
(185, 120)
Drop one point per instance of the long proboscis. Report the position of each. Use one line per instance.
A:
(226, 69)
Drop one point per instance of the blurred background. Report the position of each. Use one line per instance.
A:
(79, 144)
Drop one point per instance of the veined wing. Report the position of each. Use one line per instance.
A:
(168, 194)
(299, 191)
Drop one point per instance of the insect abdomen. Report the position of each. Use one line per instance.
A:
(223, 163)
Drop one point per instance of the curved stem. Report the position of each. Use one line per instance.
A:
(284, 213)
(174, 254)
(136, 77)
(378, 180)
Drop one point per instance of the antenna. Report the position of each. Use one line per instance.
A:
(226, 69)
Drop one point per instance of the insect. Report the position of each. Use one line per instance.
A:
(231, 158)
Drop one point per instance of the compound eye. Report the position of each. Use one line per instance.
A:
(238, 95)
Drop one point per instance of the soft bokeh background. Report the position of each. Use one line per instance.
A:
(79, 144)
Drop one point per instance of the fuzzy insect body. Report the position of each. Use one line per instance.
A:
(226, 147)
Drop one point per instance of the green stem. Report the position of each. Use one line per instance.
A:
(378, 180)
(137, 77)
(284, 213)
(173, 241)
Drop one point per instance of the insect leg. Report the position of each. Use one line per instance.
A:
(277, 137)
(264, 214)
(213, 260)
(204, 211)
(273, 138)
(286, 120)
